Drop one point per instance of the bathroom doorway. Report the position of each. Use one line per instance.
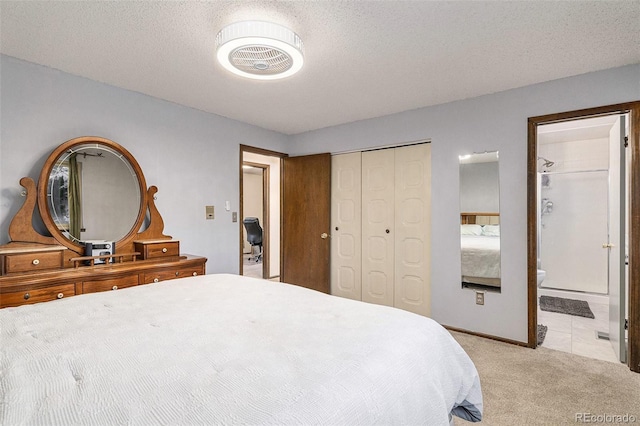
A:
(579, 205)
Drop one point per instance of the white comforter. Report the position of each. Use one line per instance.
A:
(224, 349)
(480, 256)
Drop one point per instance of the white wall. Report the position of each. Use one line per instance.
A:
(487, 123)
(191, 156)
(578, 155)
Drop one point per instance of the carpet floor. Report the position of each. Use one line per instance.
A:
(523, 386)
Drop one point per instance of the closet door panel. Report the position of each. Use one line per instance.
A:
(346, 224)
(378, 226)
(412, 228)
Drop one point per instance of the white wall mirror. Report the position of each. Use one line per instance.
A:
(480, 221)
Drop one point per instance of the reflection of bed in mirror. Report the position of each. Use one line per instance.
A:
(480, 249)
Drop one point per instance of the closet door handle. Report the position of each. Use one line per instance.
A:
(324, 236)
(608, 245)
(387, 231)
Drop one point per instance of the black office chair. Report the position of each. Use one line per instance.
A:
(254, 235)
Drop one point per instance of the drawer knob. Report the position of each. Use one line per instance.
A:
(35, 261)
(177, 273)
(27, 296)
(156, 280)
(60, 295)
(164, 249)
(194, 274)
(115, 287)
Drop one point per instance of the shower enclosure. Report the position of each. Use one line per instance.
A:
(572, 227)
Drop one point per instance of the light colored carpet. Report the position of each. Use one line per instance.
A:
(522, 386)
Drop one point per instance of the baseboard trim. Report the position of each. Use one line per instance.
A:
(487, 336)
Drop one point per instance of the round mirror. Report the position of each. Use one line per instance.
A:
(91, 188)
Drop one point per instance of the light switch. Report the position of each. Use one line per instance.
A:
(234, 217)
(227, 205)
(209, 212)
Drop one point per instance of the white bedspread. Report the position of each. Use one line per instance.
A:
(480, 256)
(225, 349)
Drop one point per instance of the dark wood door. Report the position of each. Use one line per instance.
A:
(306, 218)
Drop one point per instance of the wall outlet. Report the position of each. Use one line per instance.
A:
(479, 297)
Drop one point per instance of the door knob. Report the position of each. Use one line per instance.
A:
(608, 245)
(323, 235)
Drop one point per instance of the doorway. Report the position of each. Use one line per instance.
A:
(565, 188)
(581, 235)
(255, 219)
(260, 198)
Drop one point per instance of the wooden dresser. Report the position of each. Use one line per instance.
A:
(39, 268)
(33, 274)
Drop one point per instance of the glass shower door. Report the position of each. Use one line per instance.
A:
(573, 227)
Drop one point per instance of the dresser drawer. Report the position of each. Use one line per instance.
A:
(157, 249)
(171, 274)
(109, 284)
(37, 295)
(34, 261)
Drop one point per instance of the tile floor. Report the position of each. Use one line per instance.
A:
(577, 335)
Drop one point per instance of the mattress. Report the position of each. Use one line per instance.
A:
(226, 349)
(480, 256)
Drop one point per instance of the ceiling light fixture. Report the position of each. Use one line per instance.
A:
(259, 50)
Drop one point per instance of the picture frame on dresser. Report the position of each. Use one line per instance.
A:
(36, 268)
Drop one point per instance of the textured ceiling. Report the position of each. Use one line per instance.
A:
(363, 59)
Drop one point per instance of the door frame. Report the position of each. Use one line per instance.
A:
(633, 301)
(266, 249)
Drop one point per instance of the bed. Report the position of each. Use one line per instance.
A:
(226, 349)
(480, 249)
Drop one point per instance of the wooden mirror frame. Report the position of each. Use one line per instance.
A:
(126, 242)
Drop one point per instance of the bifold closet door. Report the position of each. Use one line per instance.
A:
(378, 233)
(412, 241)
(380, 227)
(346, 219)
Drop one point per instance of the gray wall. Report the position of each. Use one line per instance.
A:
(479, 187)
(191, 156)
(496, 122)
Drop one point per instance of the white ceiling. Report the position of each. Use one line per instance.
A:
(363, 59)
